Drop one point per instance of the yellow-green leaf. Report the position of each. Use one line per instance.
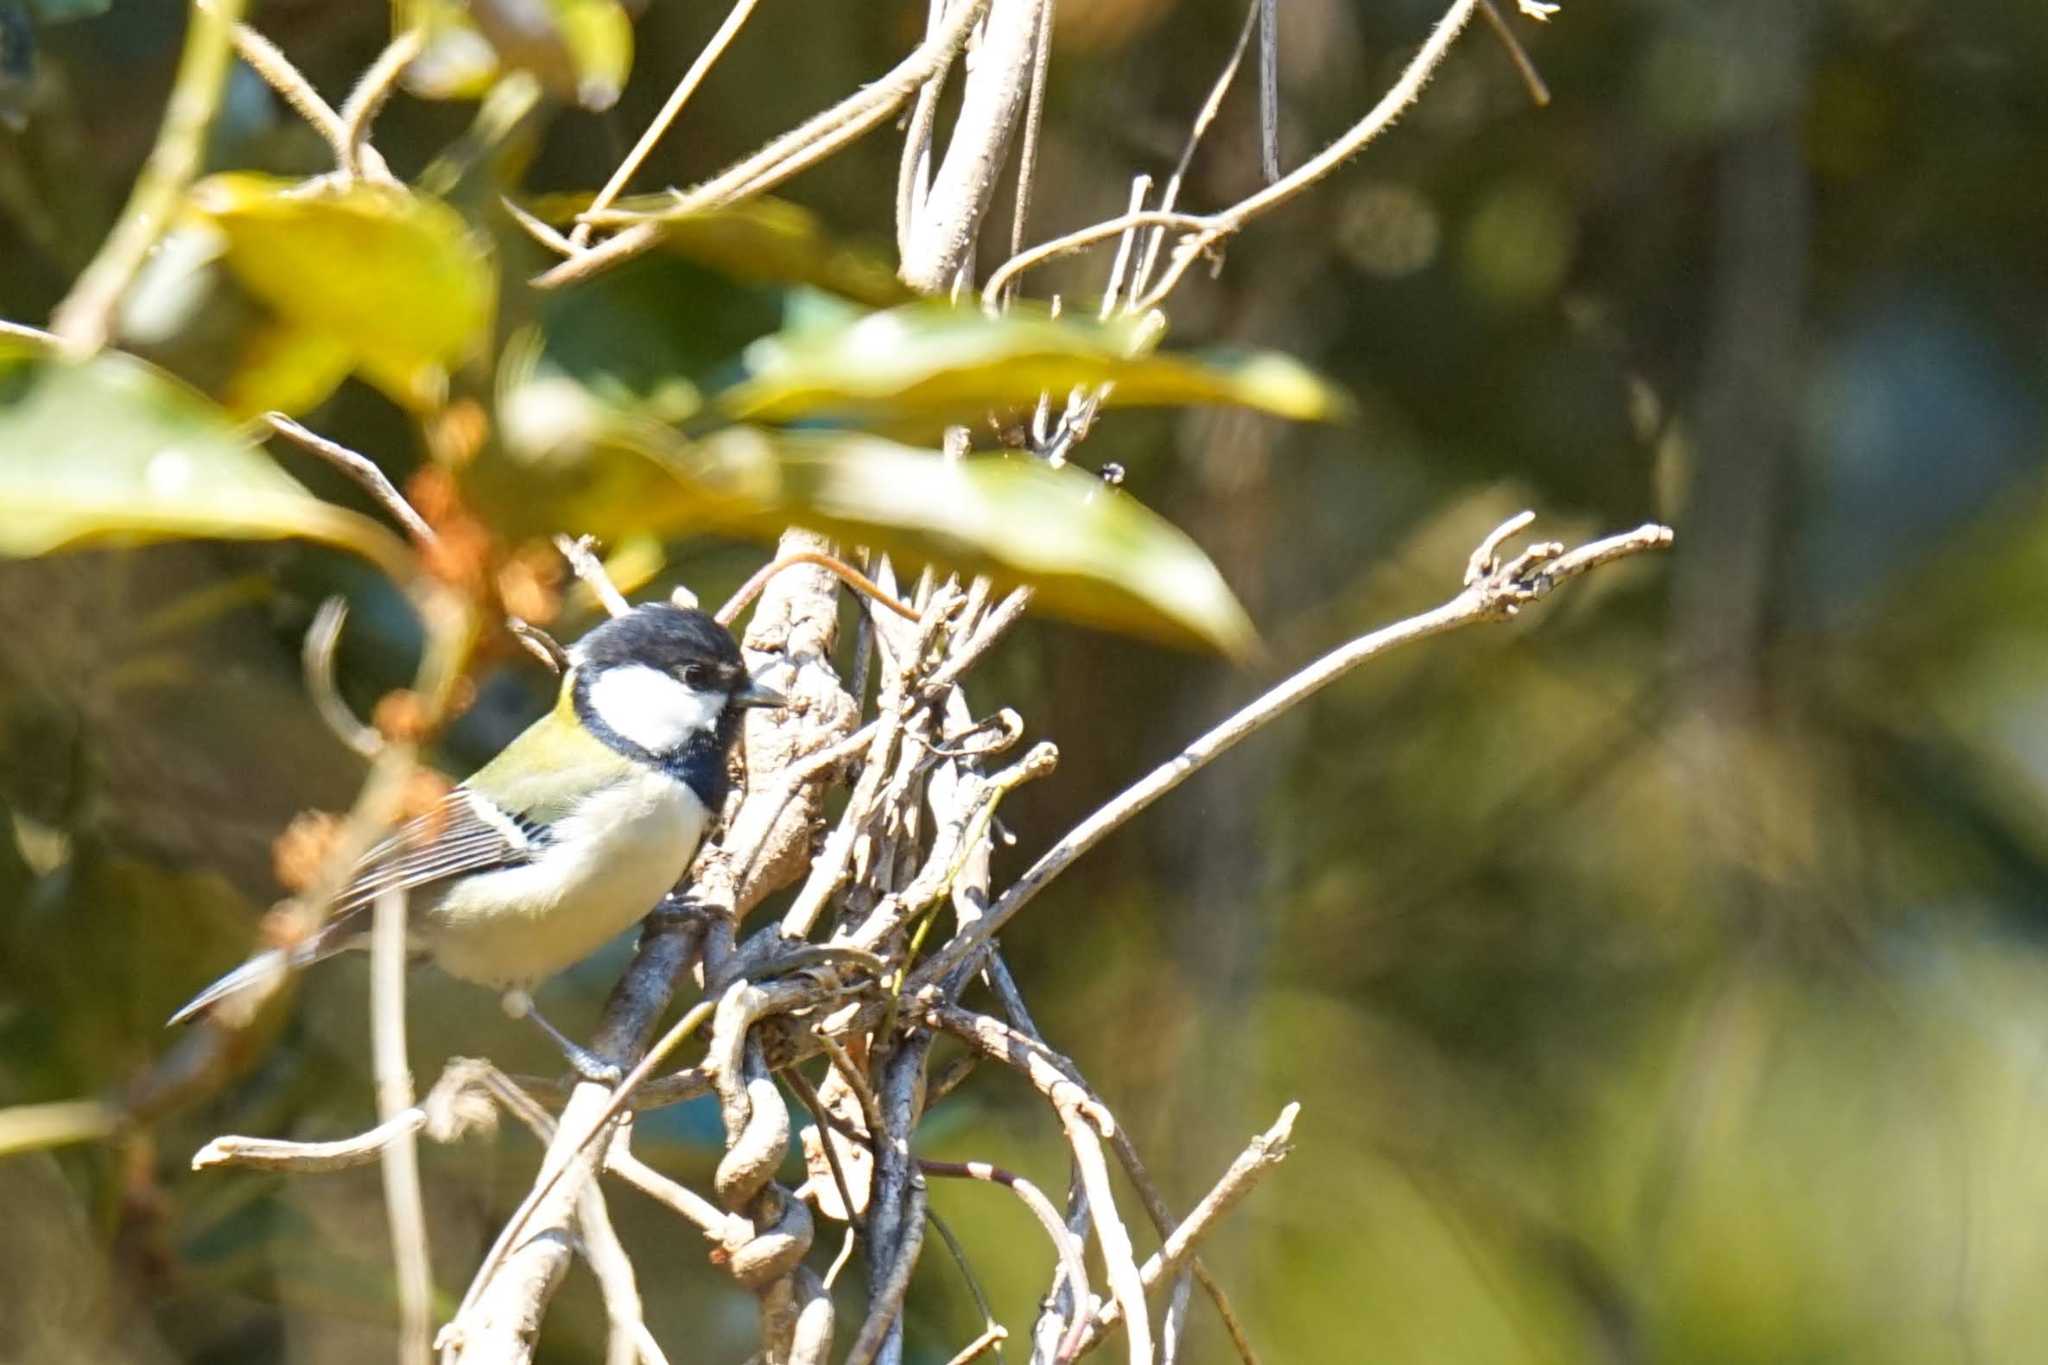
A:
(1092, 552)
(580, 50)
(761, 240)
(915, 369)
(392, 277)
(285, 369)
(110, 449)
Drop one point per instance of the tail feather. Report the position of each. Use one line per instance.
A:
(324, 944)
(255, 969)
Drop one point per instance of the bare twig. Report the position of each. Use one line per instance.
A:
(863, 1093)
(993, 1335)
(822, 135)
(291, 85)
(1119, 266)
(358, 467)
(1376, 121)
(317, 660)
(1021, 1048)
(1066, 1246)
(460, 1103)
(1126, 1287)
(1203, 118)
(500, 1314)
(845, 572)
(1266, 1151)
(364, 102)
(1199, 238)
(1532, 79)
(57, 1123)
(959, 1255)
(544, 233)
(990, 105)
(628, 1339)
(913, 169)
(275, 1154)
(86, 315)
(821, 1116)
(709, 1218)
(23, 332)
(1269, 89)
(585, 564)
(1496, 596)
(886, 1304)
(735, 19)
(1080, 240)
(403, 1204)
(1034, 114)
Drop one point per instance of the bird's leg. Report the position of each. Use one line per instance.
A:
(585, 1063)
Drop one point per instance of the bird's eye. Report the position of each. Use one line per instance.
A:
(695, 675)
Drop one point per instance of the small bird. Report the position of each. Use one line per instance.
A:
(573, 832)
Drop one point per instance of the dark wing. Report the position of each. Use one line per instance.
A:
(465, 833)
(462, 834)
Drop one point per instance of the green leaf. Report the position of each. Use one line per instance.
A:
(394, 279)
(760, 240)
(1092, 552)
(580, 50)
(916, 369)
(110, 449)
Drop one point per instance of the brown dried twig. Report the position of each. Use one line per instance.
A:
(358, 467)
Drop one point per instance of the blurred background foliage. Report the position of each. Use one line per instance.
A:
(1663, 977)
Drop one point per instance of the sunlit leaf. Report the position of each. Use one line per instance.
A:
(112, 450)
(580, 50)
(1093, 553)
(285, 369)
(394, 278)
(761, 240)
(917, 368)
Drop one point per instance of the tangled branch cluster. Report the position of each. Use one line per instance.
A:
(846, 978)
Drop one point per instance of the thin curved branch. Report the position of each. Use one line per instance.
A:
(845, 572)
(1376, 121)
(364, 102)
(822, 135)
(735, 19)
(1493, 596)
(358, 467)
(1067, 1247)
(1080, 240)
(1209, 229)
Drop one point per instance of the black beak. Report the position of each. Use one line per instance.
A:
(757, 693)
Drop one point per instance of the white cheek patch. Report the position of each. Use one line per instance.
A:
(652, 709)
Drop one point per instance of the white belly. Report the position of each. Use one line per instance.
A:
(611, 861)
